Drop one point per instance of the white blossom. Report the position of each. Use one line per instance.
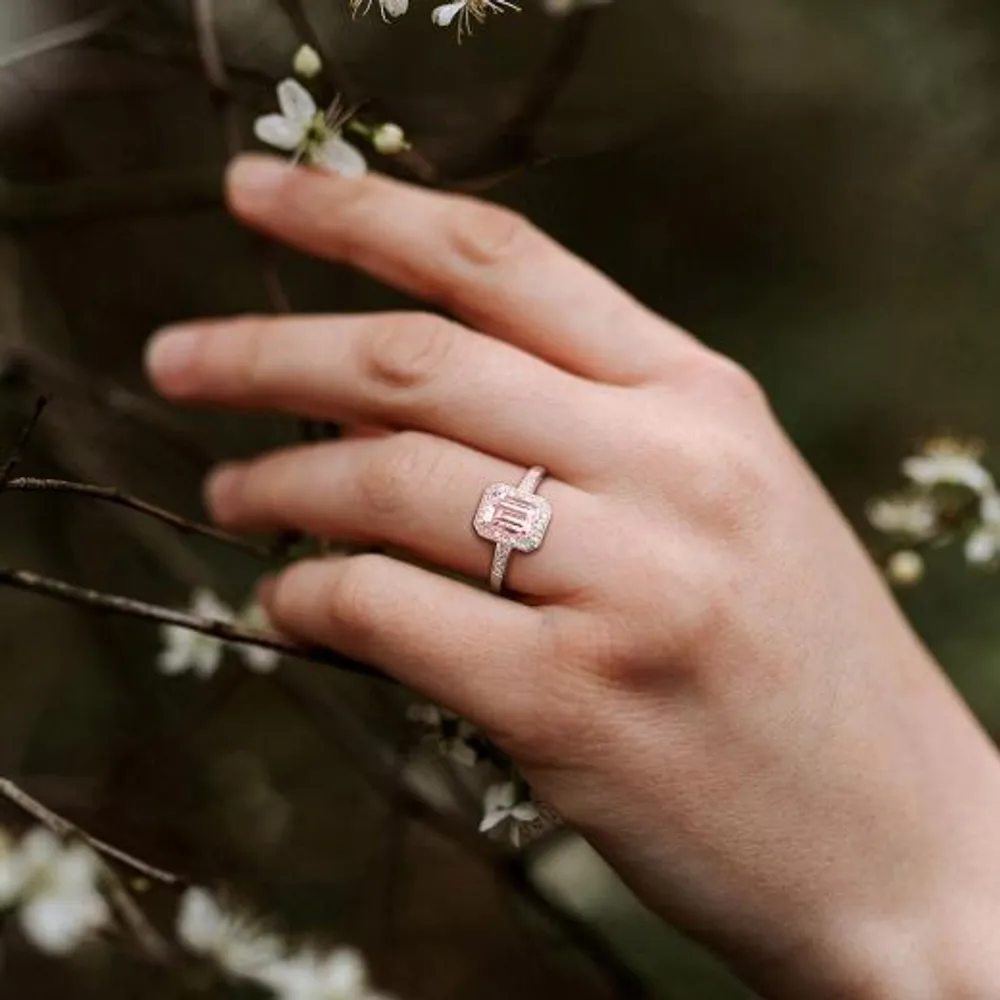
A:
(312, 135)
(913, 515)
(307, 62)
(982, 547)
(451, 736)
(232, 941)
(390, 9)
(465, 13)
(501, 806)
(257, 659)
(185, 649)
(309, 975)
(54, 887)
(949, 462)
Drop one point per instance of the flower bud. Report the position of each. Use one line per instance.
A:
(389, 139)
(307, 62)
(906, 568)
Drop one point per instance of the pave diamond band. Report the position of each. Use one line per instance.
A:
(515, 519)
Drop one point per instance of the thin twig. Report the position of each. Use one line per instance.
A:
(14, 458)
(550, 83)
(62, 827)
(131, 915)
(140, 45)
(129, 911)
(214, 70)
(65, 35)
(218, 80)
(113, 495)
(333, 68)
(515, 146)
(127, 607)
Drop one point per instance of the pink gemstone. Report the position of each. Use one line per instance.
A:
(514, 517)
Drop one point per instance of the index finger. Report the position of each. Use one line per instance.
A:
(485, 264)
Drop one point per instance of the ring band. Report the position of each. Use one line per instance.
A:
(515, 519)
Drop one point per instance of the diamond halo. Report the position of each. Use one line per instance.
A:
(514, 519)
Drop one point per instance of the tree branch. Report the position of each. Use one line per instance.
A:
(62, 827)
(127, 607)
(333, 69)
(113, 495)
(217, 79)
(14, 458)
(515, 146)
(65, 35)
(128, 910)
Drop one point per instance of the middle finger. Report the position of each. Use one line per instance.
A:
(406, 370)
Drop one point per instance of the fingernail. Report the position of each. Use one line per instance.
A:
(253, 180)
(169, 355)
(221, 488)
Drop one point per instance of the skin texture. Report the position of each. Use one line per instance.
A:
(705, 673)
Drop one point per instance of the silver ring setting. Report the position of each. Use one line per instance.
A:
(514, 519)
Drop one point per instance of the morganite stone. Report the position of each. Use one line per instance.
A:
(511, 516)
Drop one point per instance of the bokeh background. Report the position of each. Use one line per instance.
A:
(810, 186)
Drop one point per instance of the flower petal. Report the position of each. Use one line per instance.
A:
(989, 510)
(525, 812)
(296, 103)
(57, 925)
(493, 819)
(339, 156)
(959, 470)
(207, 657)
(278, 131)
(345, 973)
(981, 547)
(500, 796)
(461, 753)
(205, 604)
(259, 660)
(445, 14)
(200, 920)
(425, 713)
(915, 515)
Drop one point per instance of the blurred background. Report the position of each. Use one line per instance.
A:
(808, 185)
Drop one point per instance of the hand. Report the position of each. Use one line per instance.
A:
(703, 671)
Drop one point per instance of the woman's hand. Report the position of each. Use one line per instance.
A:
(702, 672)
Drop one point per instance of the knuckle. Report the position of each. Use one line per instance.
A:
(270, 485)
(489, 235)
(723, 379)
(350, 594)
(247, 344)
(399, 469)
(407, 352)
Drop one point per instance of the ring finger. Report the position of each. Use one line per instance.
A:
(410, 491)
